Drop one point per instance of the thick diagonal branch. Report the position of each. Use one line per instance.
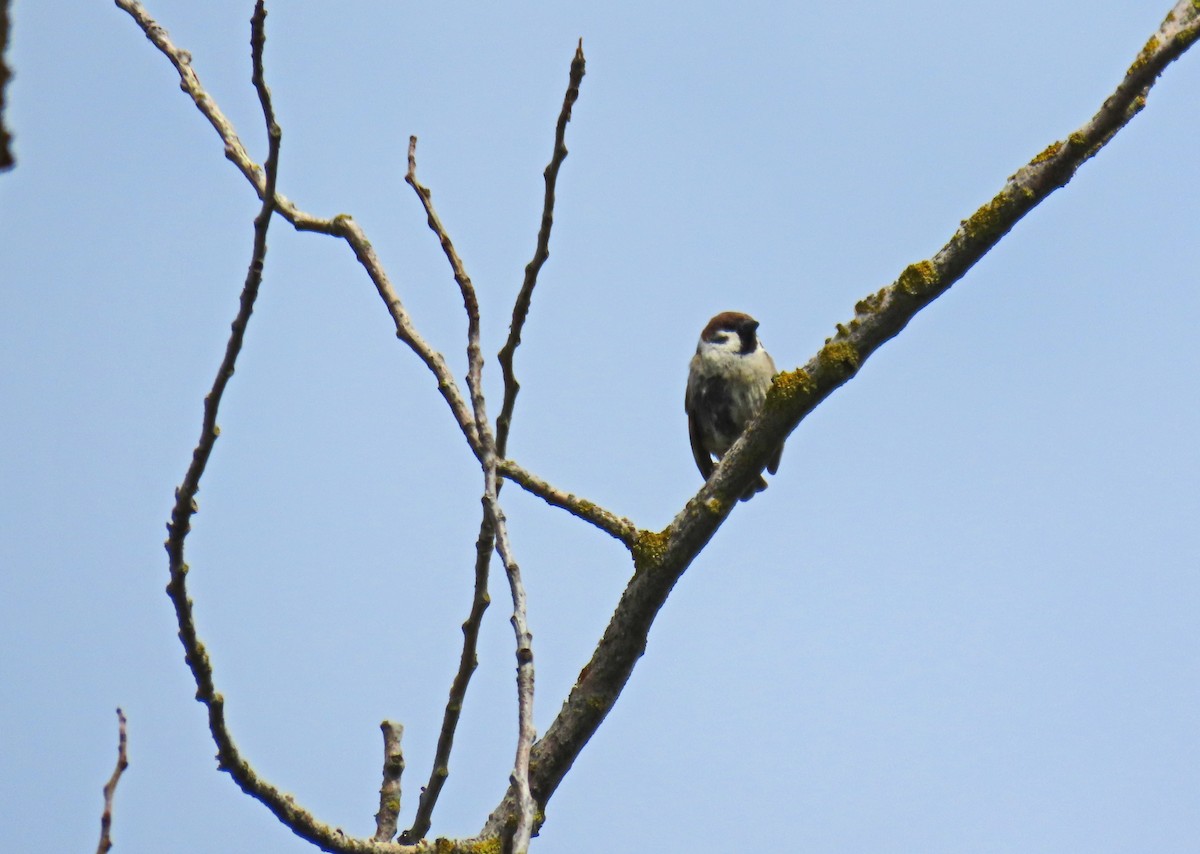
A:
(660, 559)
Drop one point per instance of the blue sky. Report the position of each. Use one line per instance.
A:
(962, 618)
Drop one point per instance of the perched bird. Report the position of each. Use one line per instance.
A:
(727, 384)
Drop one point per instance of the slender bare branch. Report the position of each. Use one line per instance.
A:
(110, 788)
(389, 790)
(488, 526)
(342, 226)
(495, 520)
(7, 160)
(520, 778)
(470, 301)
(229, 759)
(467, 663)
(661, 558)
(540, 254)
(468, 659)
(610, 523)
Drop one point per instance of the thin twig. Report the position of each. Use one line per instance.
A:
(468, 659)
(470, 301)
(342, 226)
(661, 558)
(467, 663)
(389, 790)
(520, 778)
(610, 523)
(495, 519)
(110, 788)
(540, 254)
(7, 160)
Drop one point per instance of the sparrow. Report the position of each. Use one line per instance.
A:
(727, 385)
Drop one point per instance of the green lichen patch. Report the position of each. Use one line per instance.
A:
(870, 304)
(488, 845)
(649, 549)
(788, 384)
(1048, 152)
(841, 354)
(987, 222)
(1146, 55)
(918, 278)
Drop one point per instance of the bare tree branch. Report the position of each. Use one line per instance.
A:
(540, 254)
(610, 523)
(493, 518)
(473, 424)
(520, 778)
(661, 558)
(229, 759)
(389, 791)
(7, 160)
(342, 226)
(468, 661)
(110, 788)
(470, 301)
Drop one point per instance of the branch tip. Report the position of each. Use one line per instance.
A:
(110, 788)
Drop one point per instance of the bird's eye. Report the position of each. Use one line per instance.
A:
(722, 337)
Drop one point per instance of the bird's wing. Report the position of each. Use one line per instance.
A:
(702, 457)
(691, 401)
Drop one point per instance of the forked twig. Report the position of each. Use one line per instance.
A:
(495, 520)
(342, 226)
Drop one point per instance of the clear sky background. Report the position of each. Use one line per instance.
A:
(962, 618)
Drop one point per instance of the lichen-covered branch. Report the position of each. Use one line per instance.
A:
(540, 253)
(389, 790)
(610, 523)
(661, 558)
(110, 788)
